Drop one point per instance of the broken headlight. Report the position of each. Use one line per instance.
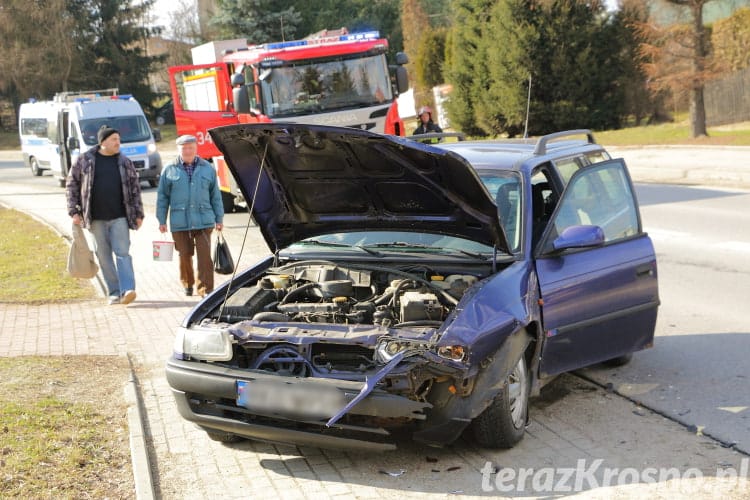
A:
(452, 352)
(203, 344)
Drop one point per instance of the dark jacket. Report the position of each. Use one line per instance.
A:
(80, 181)
(428, 128)
(192, 203)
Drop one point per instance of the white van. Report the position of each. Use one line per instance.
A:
(54, 133)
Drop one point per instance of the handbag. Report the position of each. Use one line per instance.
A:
(81, 262)
(223, 262)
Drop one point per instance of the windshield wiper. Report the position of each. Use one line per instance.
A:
(421, 246)
(339, 245)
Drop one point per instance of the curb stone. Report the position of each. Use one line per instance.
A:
(144, 486)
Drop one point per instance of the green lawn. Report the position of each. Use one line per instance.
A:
(676, 132)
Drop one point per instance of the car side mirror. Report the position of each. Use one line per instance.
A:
(157, 134)
(73, 143)
(579, 237)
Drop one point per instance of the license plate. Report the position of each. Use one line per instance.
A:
(301, 400)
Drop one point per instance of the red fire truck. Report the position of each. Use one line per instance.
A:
(332, 78)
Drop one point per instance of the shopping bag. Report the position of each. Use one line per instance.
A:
(223, 262)
(81, 261)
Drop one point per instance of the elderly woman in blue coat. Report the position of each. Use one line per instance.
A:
(189, 194)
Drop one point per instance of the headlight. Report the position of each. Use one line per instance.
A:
(151, 148)
(387, 349)
(203, 344)
(452, 352)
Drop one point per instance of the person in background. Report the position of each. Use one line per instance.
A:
(426, 125)
(189, 194)
(104, 195)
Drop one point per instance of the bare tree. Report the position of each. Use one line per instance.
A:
(678, 58)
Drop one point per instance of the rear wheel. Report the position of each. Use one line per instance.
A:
(153, 182)
(619, 360)
(35, 170)
(503, 423)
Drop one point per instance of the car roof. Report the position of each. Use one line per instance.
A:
(514, 154)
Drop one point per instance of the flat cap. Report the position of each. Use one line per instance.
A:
(186, 139)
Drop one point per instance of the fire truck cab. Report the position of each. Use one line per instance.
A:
(329, 78)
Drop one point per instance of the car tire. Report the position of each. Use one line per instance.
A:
(503, 423)
(223, 437)
(153, 182)
(160, 120)
(35, 169)
(619, 360)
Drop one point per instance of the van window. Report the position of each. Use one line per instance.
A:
(34, 126)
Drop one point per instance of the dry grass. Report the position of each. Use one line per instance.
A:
(33, 267)
(63, 428)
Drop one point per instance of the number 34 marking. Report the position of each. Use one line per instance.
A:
(203, 137)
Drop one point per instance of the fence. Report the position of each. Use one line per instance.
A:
(728, 100)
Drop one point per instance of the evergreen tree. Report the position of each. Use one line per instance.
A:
(465, 66)
(259, 21)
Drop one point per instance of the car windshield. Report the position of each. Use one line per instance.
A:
(131, 128)
(304, 87)
(388, 242)
(506, 188)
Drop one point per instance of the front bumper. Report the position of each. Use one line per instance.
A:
(206, 394)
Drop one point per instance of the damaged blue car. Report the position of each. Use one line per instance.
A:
(427, 290)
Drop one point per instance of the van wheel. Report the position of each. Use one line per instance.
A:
(503, 423)
(35, 170)
(153, 182)
(160, 120)
(61, 181)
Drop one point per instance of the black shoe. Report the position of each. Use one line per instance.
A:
(189, 291)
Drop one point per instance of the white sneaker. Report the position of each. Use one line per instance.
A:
(127, 297)
(113, 301)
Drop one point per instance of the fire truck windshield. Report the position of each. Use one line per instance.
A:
(310, 87)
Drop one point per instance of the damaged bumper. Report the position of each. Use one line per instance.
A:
(271, 408)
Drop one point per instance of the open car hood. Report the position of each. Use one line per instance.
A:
(317, 179)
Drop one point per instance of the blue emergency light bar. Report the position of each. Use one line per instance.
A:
(351, 37)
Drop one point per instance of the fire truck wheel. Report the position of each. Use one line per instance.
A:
(228, 201)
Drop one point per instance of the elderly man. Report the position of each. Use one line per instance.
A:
(189, 193)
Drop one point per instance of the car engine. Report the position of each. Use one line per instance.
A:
(328, 293)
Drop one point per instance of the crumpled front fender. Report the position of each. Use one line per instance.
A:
(452, 413)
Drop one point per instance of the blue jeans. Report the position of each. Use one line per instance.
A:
(113, 236)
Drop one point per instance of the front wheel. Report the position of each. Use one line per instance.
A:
(35, 169)
(227, 199)
(223, 437)
(503, 423)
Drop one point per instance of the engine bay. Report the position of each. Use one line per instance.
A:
(322, 292)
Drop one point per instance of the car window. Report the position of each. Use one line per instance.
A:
(505, 187)
(599, 195)
(567, 167)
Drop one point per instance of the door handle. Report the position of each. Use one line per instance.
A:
(644, 270)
